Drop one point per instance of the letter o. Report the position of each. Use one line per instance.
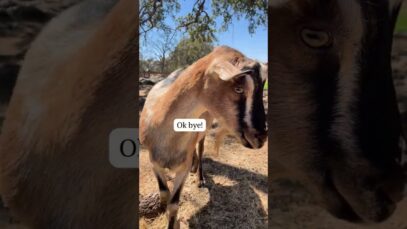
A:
(122, 149)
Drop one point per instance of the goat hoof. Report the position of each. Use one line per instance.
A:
(175, 225)
(201, 184)
(194, 169)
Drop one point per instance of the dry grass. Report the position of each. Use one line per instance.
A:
(236, 193)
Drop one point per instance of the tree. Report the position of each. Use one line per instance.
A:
(198, 27)
(200, 22)
(152, 14)
(188, 51)
(162, 48)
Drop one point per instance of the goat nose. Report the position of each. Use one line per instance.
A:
(261, 136)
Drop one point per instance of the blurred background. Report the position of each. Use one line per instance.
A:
(20, 22)
(293, 207)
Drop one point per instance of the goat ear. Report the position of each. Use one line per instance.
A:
(226, 71)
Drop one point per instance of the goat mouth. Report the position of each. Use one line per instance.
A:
(346, 212)
(346, 209)
(245, 141)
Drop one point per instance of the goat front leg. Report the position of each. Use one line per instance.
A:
(219, 135)
(162, 185)
(201, 147)
(173, 204)
(195, 162)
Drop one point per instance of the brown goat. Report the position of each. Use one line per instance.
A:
(224, 85)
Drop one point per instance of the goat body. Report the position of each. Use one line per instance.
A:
(203, 90)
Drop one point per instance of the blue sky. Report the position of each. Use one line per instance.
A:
(237, 36)
(252, 45)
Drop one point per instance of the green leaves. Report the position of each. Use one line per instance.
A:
(188, 51)
(254, 11)
(185, 53)
(197, 27)
(152, 14)
(200, 23)
(401, 25)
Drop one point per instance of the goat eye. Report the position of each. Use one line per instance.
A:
(239, 90)
(316, 38)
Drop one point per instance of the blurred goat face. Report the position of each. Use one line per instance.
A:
(334, 117)
(239, 106)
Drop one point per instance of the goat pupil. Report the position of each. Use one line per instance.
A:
(314, 36)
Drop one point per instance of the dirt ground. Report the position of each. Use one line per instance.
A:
(235, 195)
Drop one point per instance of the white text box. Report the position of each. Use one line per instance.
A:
(189, 125)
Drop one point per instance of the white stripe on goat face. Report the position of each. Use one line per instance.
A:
(249, 92)
(348, 74)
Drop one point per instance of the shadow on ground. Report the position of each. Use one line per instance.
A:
(231, 200)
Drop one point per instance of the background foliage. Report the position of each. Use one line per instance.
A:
(178, 39)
